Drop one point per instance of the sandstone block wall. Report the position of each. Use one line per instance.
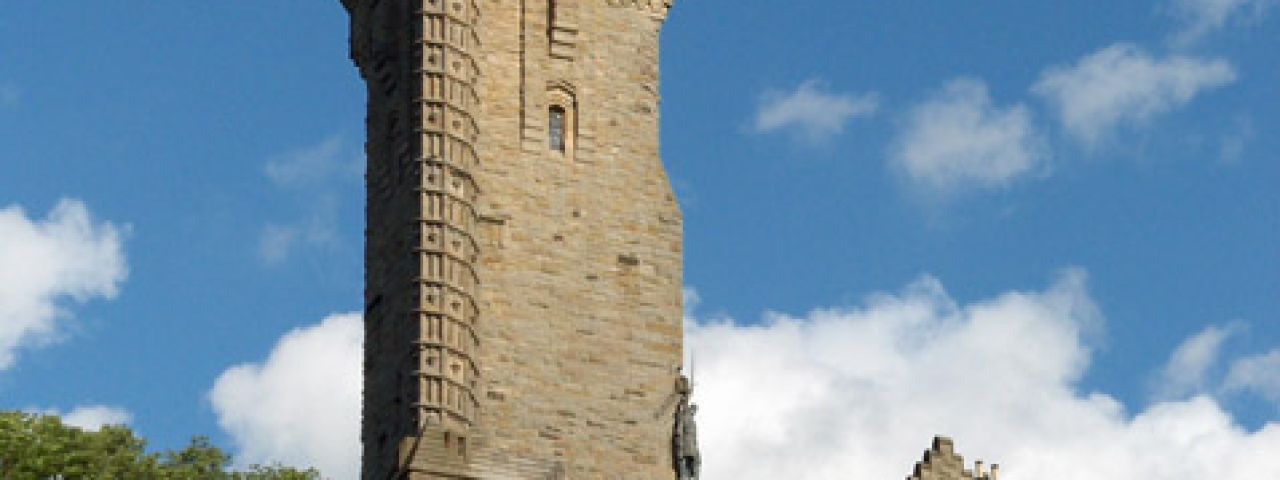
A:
(523, 301)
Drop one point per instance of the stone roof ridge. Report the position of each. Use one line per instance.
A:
(941, 462)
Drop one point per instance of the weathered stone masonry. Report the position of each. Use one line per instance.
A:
(523, 299)
(421, 304)
(523, 314)
(941, 462)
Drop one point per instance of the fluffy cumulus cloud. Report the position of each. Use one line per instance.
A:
(301, 405)
(959, 139)
(1201, 17)
(812, 111)
(47, 264)
(1123, 85)
(312, 175)
(857, 392)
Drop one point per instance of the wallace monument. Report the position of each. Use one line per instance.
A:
(523, 259)
(523, 278)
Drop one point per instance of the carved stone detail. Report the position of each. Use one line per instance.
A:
(446, 341)
(421, 284)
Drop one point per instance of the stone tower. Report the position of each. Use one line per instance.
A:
(523, 263)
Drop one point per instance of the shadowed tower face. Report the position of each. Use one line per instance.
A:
(523, 262)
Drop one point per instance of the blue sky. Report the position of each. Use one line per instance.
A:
(180, 188)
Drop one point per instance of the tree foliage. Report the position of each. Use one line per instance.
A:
(34, 446)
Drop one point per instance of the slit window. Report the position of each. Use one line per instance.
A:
(556, 129)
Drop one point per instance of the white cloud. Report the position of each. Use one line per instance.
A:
(958, 139)
(1202, 17)
(319, 230)
(276, 243)
(45, 264)
(94, 417)
(813, 112)
(315, 164)
(1123, 85)
(1232, 144)
(863, 389)
(89, 417)
(300, 406)
(1259, 374)
(313, 175)
(1187, 371)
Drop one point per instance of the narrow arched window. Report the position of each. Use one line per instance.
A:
(562, 120)
(556, 129)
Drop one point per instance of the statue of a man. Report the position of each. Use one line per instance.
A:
(692, 461)
(687, 457)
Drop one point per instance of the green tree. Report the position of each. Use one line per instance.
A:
(38, 447)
